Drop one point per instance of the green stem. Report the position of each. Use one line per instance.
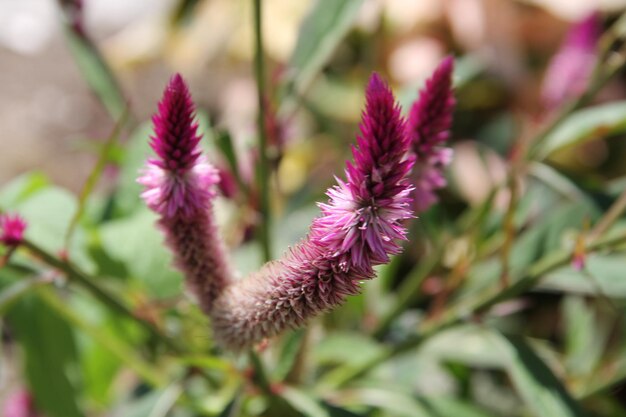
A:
(263, 168)
(122, 351)
(99, 292)
(407, 292)
(459, 313)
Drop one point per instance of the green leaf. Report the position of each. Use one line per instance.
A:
(391, 400)
(346, 348)
(320, 33)
(447, 406)
(138, 243)
(585, 125)
(22, 188)
(233, 407)
(311, 407)
(97, 73)
(585, 336)
(542, 392)
(603, 275)
(50, 356)
(289, 353)
(14, 292)
(137, 151)
(94, 177)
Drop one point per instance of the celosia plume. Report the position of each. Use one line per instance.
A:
(569, 70)
(12, 229)
(180, 186)
(19, 404)
(429, 123)
(356, 231)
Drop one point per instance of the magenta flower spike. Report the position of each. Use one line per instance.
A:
(570, 69)
(357, 230)
(429, 123)
(180, 186)
(12, 229)
(19, 403)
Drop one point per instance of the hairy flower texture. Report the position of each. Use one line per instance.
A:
(570, 69)
(180, 186)
(12, 229)
(358, 229)
(428, 127)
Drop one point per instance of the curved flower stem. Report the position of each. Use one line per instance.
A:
(481, 303)
(263, 168)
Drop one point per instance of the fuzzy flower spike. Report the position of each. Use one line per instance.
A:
(180, 187)
(357, 230)
(430, 119)
(570, 69)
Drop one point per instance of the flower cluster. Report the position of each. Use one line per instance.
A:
(429, 124)
(12, 229)
(357, 230)
(359, 226)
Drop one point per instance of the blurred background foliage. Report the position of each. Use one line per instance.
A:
(483, 314)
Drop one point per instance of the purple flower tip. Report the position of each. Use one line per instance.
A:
(430, 116)
(430, 119)
(570, 69)
(362, 221)
(12, 229)
(179, 181)
(19, 404)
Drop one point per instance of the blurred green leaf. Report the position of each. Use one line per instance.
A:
(50, 356)
(542, 392)
(226, 146)
(585, 336)
(393, 401)
(311, 407)
(137, 151)
(138, 243)
(233, 408)
(14, 292)
(320, 33)
(346, 348)
(452, 407)
(97, 73)
(586, 124)
(108, 340)
(289, 353)
(21, 188)
(603, 273)
(94, 176)
(183, 12)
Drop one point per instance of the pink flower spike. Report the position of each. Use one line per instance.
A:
(19, 404)
(179, 182)
(358, 229)
(569, 71)
(12, 229)
(430, 119)
(180, 186)
(362, 220)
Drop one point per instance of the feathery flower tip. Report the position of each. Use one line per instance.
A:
(571, 67)
(429, 125)
(12, 229)
(180, 181)
(430, 116)
(361, 222)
